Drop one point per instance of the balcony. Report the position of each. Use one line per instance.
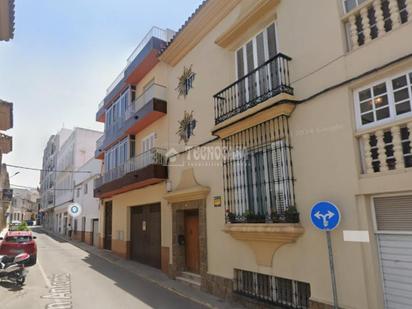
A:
(6, 115)
(373, 19)
(386, 148)
(6, 143)
(139, 63)
(266, 81)
(145, 169)
(143, 111)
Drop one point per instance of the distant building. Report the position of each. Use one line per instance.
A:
(24, 205)
(48, 176)
(75, 152)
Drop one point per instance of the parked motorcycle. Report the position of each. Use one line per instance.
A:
(13, 268)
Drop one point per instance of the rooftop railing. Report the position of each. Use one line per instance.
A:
(155, 32)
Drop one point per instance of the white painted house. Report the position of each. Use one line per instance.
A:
(74, 153)
(85, 226)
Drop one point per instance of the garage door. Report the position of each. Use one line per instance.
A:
(145, 234)
(394, 227)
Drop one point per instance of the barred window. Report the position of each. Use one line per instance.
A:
(271, 289)
(258, 176)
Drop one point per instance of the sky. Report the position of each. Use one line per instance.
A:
(64, 55)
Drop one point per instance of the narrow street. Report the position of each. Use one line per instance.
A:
(82, 280)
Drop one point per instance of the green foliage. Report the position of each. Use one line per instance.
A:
(291, 210)
(252, 217)
(23, 226)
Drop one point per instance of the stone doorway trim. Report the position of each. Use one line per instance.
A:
(188, 195)
(188, 189)
(178, 250)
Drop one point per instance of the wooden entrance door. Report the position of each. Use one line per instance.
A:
(192, 241)
(145, 235)
(108, 226)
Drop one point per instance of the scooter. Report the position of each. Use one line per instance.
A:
(13, 268)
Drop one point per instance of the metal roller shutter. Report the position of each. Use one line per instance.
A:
(394, 214)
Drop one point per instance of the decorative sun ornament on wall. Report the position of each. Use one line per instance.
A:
(185, 82)
(186, 127)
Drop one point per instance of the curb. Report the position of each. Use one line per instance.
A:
(147, 278)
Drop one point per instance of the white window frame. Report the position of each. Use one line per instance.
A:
(255, 60)
(358, 3)
(118, 116)
(391, 101)
(149, 137)
(112, 159)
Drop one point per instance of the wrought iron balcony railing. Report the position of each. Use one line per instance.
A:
(154, 156)
(264, 82)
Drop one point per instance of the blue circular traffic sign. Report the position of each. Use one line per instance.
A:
(325, 216)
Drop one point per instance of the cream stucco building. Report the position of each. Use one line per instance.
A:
(263, 108)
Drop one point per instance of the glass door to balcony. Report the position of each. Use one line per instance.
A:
(250, 60)
(147, 144)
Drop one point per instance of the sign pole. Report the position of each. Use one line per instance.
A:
(325, 216)
(332, 270)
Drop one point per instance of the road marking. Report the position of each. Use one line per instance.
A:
(60, 292)
(43, 273)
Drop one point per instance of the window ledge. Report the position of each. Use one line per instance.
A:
(265, 238)
(281, 104)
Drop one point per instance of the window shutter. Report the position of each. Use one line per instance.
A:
(271, 31)
(280, 174)
(393, 213)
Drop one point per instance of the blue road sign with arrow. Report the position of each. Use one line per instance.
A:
(325, 216)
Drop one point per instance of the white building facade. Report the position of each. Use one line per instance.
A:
(74, 153)
(48, 177)
(24, 205)
(85, 226)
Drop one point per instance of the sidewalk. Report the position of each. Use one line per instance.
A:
(153, 275)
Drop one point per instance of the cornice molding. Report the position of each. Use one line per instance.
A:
(201, 24)
(261, 12)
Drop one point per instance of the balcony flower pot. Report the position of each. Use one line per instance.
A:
(276, 217)
(251, 217)
(292, 215)
(231, 217)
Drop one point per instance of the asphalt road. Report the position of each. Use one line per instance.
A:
(67, 277)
